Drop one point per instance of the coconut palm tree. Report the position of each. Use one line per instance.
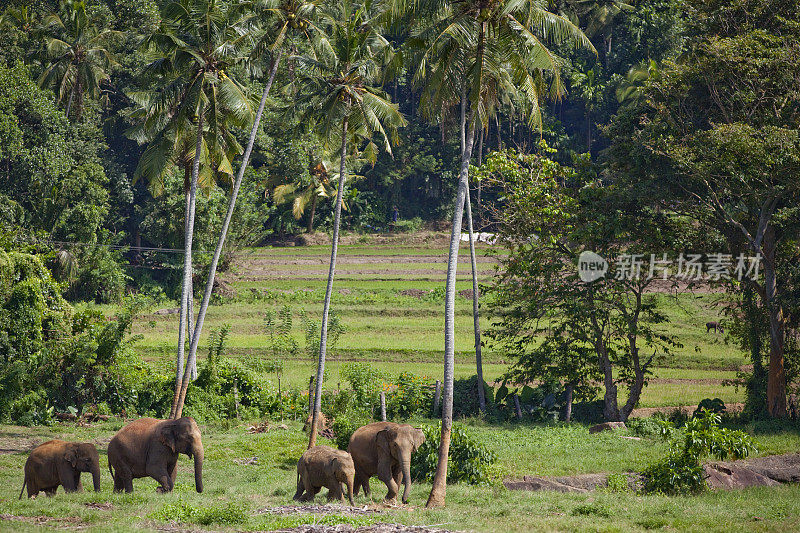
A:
(338, 87)
(292, 18)
(480, 52)
(77, 53)
(196, 95)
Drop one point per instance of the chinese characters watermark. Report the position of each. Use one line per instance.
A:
(687, 267)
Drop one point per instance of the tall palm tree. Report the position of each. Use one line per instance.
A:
(77, 53)
(485, 50)
(194, 54)
(339, 88)
(293, 18)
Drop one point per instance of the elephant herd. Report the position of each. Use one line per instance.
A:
(149, 448)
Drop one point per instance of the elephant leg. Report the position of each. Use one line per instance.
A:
(123, 478)
(385, 475)
(397, 475)
(334, 489)
(68, 478)
(356, 483)
(51, 491)
(174, 474)
(365, 484)
(78, 485)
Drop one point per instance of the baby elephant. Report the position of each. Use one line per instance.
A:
(56, 462)
(323, 466)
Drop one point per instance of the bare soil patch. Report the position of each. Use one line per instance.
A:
(341, 510)
(643, 412)
(69, 522)
(374, 528)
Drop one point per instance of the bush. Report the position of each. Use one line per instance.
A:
(716, 405)
(366, 383)
(217, 513)
(411, 396)
(469, 461)
(345, 425)
(645, 427)
(681, 472)
(465, 397)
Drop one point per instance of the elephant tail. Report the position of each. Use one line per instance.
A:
(23, 487)
(112, 473)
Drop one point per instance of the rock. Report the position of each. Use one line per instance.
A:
(579, 484)
(780, 468)
(734, 476)
(607, 426)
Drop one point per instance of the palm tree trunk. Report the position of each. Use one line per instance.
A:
(475, 316)
(69, 103)
(180, 397)
(473, 261)
(312, 439)
(310, 224)
(187, 260)
(437, 495)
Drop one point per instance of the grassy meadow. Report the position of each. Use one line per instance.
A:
(395, 327)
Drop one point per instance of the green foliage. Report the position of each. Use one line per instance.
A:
(311, 329)
(681, 471)
(366, 383)
(222, 513)
(469, 460)
(279, 329)
(411, 395)
(344, 425)
(707, 404)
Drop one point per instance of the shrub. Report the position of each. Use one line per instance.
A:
(217, 513)
(681, 471)
(465, 397)
(707, 404)
(411, 396)
(469, 460)
(645, 427)
(344, 426)
(366, 383)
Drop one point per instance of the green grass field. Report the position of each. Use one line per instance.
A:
(395, 327)
(235, 493)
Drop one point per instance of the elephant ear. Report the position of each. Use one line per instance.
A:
(167, 436)
(382, 439)
(71, 457)
(419, 439)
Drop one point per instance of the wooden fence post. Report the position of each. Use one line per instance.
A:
(437, 397)
(383, 406)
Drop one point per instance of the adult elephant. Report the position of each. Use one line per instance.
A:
(150, 447)
(57, 462)
(384, 449)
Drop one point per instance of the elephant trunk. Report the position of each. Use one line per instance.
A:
(197, 452)
(349, 483)
(406, 477)
(96, 476)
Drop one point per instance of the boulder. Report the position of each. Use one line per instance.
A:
(607, 426)
(730, 475)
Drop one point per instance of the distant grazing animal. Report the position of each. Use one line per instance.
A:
(716, 326)
(150, 447)
(57, 462)
(323, 466)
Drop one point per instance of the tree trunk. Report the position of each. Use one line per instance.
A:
(776, 376)
(312, 440)
(69, 102)
(383, 406)
(569, 389)
(177, 405)
(310, 224)
(180, 397)
(437, 495)
(475, 315)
